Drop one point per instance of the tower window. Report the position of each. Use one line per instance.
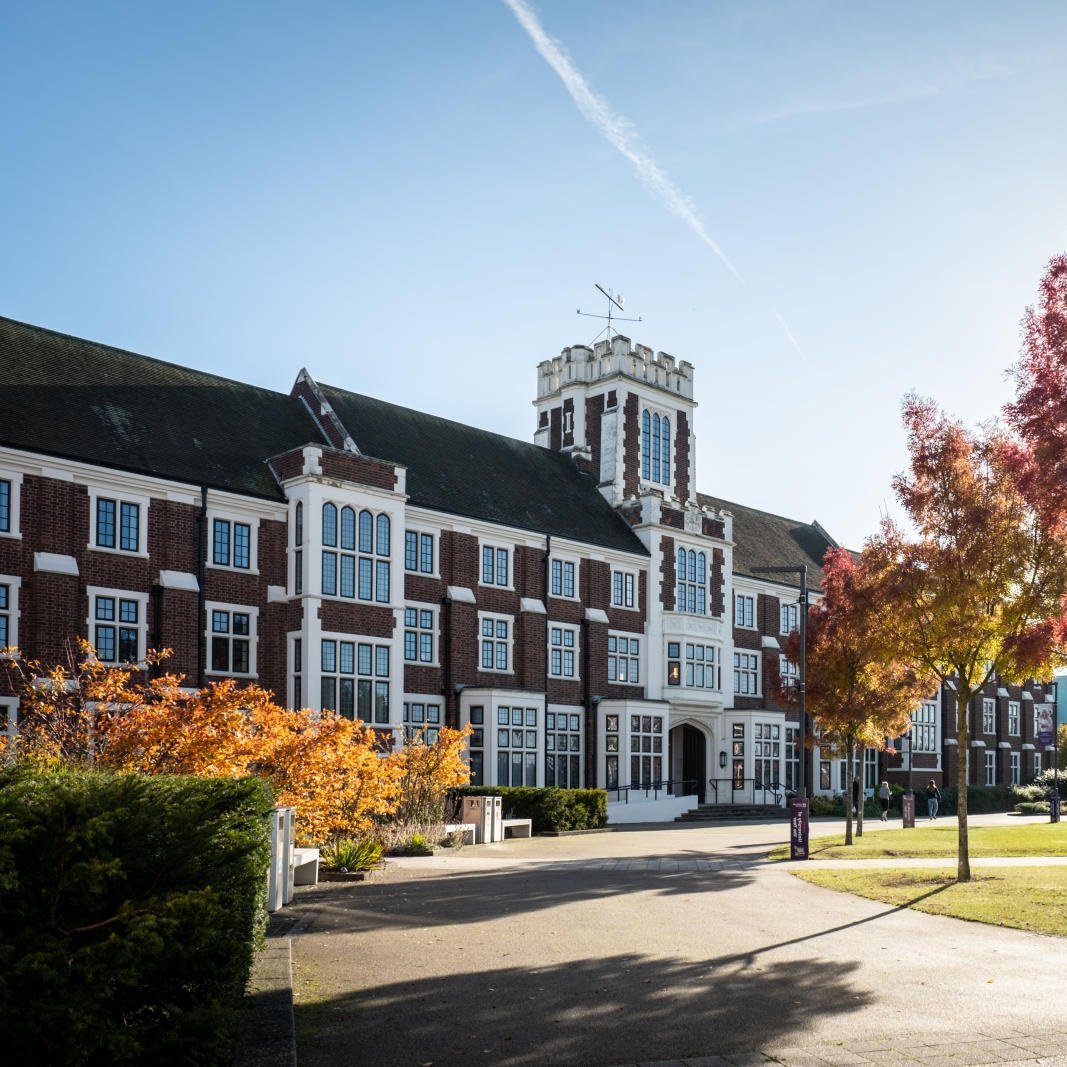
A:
(655, 447)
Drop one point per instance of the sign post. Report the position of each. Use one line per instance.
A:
(907, 803)
(798, 829)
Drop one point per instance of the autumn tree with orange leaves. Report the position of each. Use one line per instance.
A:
(858, 689)
(976, 593)
(340, 775)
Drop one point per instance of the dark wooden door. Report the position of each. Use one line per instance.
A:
(694, 762)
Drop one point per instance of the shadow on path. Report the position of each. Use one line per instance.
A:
(475, 897)
(618, 1009)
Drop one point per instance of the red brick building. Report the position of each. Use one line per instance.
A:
(593, 617)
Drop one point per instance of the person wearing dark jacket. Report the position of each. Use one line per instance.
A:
(933, 799)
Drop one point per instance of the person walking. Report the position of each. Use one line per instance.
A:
(933, 799)
(855, 794)
(883, 799)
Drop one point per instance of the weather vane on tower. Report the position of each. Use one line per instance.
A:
(613, 301)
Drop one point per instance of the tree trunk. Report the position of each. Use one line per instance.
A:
(963, 740)
(848, 794)
(862, 799)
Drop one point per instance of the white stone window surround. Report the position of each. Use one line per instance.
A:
(989, 715)
(12, 610)
(497, 639)
(748, 671)
(418, 629)
(434, 535)
(746, 607)
(1015, 717)
(232, 515)
(14, 478)
(9, 717)
(626, 587)
(120, 497)
(497, 546)
(558, 650)
(252, 637)
(788, 616)
(654, 409)
(617, 640)
(93, 592)
(557, 565)
(688, 583)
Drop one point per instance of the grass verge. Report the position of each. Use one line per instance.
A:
(1026, 839)
(1026, 898)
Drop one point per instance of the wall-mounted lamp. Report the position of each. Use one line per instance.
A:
(722, 759)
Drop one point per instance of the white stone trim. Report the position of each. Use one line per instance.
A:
(532, 606)
(276, 594)
(179, 580)
(14, 504)
(253, 637)
(770, 642)
(122, 497)
(55, 563)
(597, 615)
(460, 594)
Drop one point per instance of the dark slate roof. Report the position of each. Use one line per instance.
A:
(765, 540)
(465, 471)
(85, 401)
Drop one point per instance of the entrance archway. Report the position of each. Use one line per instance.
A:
(694, 762)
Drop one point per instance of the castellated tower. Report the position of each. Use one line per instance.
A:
(626, 415)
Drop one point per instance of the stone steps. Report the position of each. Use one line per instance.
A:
(721, 812)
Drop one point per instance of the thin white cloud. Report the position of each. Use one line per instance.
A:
(619, 132)
(615, 129)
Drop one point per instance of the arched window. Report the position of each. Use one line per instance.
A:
(646, 444)
(691, 582)
(329, 525)
(348, 529)
(655, 448)
(366, 527)
(361, 569)
(665, 449)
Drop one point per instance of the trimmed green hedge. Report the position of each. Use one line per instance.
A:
(130, 909)
(981, 799)
(551, 809)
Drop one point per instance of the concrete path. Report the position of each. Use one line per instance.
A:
(672, 945)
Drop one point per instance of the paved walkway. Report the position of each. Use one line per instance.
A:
(679, 945)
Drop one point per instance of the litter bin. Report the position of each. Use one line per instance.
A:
(487, 814)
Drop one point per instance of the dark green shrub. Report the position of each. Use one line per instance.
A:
(551, 809)
(981, 799)
(130, 908)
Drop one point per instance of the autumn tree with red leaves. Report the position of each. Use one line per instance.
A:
(858, 690)
(977, 593)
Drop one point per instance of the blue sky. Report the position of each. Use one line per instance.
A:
(406, 199)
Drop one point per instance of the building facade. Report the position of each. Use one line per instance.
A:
(593, 617)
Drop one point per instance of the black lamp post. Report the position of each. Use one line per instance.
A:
(798, 842)
(802, 628)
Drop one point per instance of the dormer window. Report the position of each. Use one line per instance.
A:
(655, 447)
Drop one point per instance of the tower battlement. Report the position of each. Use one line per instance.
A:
(608, 359)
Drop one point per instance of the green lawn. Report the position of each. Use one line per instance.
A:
(1027, 898)
(1026, 839)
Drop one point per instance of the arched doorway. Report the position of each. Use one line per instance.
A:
(694, 762)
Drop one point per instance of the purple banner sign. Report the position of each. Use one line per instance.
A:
(798, 830)
(1044, 724)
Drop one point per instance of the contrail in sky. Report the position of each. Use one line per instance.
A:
(615, 129)
(618, 131)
